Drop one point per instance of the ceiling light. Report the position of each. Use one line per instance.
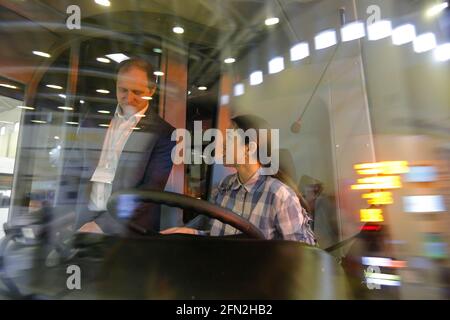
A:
(118, 57)
(436, 9)
(256, 78)
(353, 31)
(425, 42)
(271, 21)
(71, 122)
(276, 65)
(104, 91)
(8, 86)
(202, 88)
(229, 60)
(62, 95)
(147, 98)
(158, 73)
(103, 125)
(442, 52)
(104, 111)
(53, 86)
(65, 108)
(25, 107)
(225, 99)
(325, 39)
(103, 60)
(38, 121)
(239, 89)
(82, 101)
(299, 51)
(379, 30)
(178, 30)
(56, 138)
(403, 34)
(105, 3)
(157, 50)
(42, 54)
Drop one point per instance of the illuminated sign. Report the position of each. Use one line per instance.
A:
(424, 204)
(383, 167)
(378, 198)
(371, 215)
(383, 262)
(378, 177)
(378, 182)
(421, 174)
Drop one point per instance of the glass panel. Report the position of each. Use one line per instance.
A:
(11, 107)
(355, 97)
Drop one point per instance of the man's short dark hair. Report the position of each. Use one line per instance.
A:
(139, 63)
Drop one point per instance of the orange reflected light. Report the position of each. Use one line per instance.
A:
(382, 182)
(383, 175)
(371, 215)
(383, 167)
(383, 262)
(398, 264)
(377, 198)
(394, 180)
(372, 186)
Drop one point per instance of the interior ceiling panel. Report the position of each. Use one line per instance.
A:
(213, 24)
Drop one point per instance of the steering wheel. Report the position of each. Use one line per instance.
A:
(122, 201)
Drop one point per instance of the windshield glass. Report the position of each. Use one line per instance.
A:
(319, 123)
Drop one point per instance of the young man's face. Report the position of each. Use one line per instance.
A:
(131, 87)
(234, 144)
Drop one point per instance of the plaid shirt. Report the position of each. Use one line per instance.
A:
(268, 204)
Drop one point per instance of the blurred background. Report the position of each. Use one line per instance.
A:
(359, 90)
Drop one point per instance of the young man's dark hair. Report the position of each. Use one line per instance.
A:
(246, 122)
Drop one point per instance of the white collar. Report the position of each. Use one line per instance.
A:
(137, 115)
(248, 185)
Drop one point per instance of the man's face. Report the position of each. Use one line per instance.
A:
(132, 85)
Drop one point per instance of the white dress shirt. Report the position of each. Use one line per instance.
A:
(118, 132)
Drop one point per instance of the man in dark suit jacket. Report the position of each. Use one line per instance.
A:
(133, 153)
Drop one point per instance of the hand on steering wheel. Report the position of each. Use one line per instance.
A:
(226, 216)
